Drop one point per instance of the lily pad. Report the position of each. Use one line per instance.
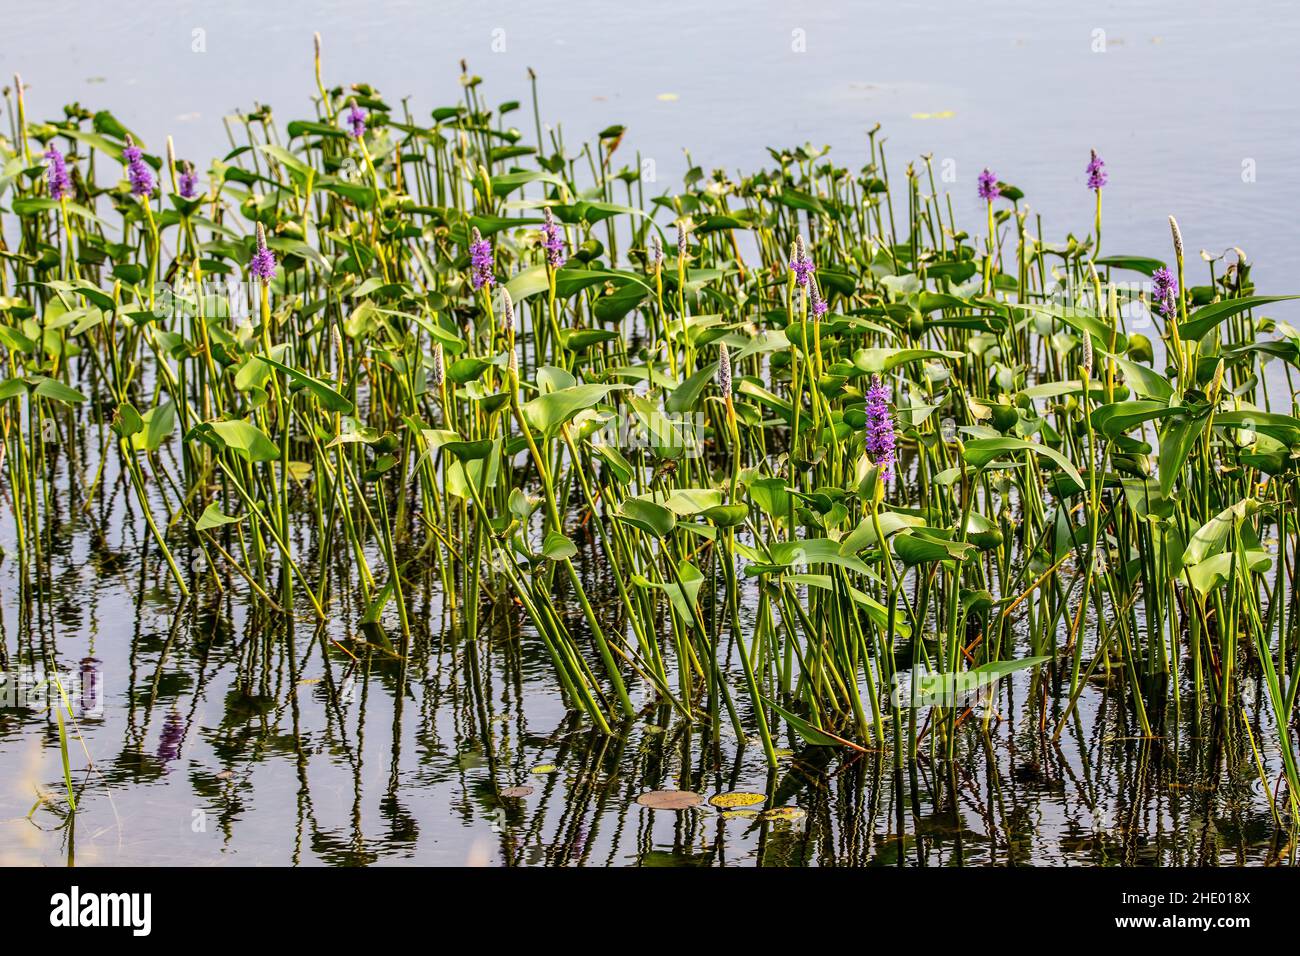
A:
(670, 799)
(736, 799)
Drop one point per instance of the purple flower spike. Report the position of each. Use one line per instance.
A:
(800, 263)
(817, 305)
(988, 186)
(137, 170)
(553, 240)
(357, 120)
(480, 260)
(56, 174)
(1096, 172)
(880, 428)
(1164, 292)
(189, 182)
(262, 265)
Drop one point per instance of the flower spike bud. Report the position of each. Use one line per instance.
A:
(439, 366)
(507, 312)
(724, 370)
(1178, 238)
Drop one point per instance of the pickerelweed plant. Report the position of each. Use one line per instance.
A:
(832, 436)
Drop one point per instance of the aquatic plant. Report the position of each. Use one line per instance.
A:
(760, 493)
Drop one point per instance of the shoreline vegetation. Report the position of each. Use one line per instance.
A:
(791, 453)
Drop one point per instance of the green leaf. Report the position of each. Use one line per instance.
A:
(875, 610)
(556, 547)
(301, 171)
(1283, 428)
(1105, 337)
(547, 413)
(1213, 572)
(951, 689)
(726, 516)
(213, 517)
(1119, 417)
(669, 438)
(683, 601)
(56, 390)
(771, 495)
(885, 360)
(813, 551)
(1136, 263)
(159, 422)
(328, 398)
(980, 451)
(507, 183)
(245, 439)
(1177, 439)
(813, 735)
(14, 340)
(528, 283)
(685, 502)
(576, 340)
(12, 388)
(914, 546)
(127, 421)
(1209, 316)
(1212, 537)
(653, 519)
(1144, 381)
(687, 395)
(864, 535)
(466, 477)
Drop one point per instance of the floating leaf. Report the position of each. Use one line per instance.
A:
(736, 799)
(670, 799)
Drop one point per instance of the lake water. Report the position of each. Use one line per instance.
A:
(1182, 96)
(218, 739)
